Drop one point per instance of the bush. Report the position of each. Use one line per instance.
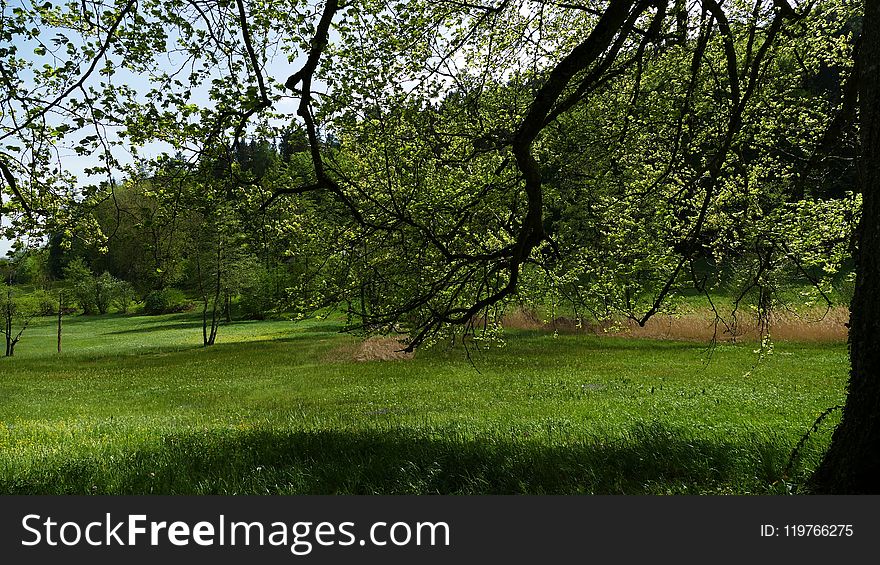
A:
(124, 296)
(93, 293)
(104, 287)
(82, 281)
(42, 303)
(166, 301)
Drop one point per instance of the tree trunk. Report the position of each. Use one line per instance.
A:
(205, 323)
(60, 314)
(852, 463)
(7, 323)
(227, 307)
(209, 338)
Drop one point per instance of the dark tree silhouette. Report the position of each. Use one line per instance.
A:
(852, 463)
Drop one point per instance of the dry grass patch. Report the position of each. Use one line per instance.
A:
(811, 326)
(376, 348)
(814, 326)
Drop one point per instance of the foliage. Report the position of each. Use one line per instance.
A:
(166, 301)
(450, 166)
(96, 293)
(82, 281)
(143, 222)
(16, 314)
(40, 302)
(260, 296)
(33, 268)
(104, 289)
(124, 296)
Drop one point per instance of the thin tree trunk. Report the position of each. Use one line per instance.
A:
(60, 314)
(210, 337)
(852, 463)
(205, 324)
(215, 318)
(7, 322)
(204, 294)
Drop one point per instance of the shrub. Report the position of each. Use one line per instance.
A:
(42, 303)
(104, 288)
(82, 281)
(93, 293)
(124, 296)
(166, 301)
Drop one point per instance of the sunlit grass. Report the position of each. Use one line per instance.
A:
(136, 405)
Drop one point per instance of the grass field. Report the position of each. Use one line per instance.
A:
(135, 405)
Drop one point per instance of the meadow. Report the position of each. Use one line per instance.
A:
(135, 405)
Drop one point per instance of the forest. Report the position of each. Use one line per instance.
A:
(399, 246)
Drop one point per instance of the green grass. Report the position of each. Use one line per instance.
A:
(136, 405)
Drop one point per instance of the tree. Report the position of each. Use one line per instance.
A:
(471, 182)
(124, 296)
(105, 288)
(81, 278)
(852, 463)
(16, 313)
(12, 312)
(94, 294)
(215, 246)
(142, 223)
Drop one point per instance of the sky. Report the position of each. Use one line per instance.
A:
(5, 244)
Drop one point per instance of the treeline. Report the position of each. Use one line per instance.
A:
(178, 235)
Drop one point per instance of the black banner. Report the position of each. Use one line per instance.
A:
(387, 529)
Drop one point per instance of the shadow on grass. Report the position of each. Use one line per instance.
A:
(648, 459)
(159, 327)
(193, 322)
(538, 339)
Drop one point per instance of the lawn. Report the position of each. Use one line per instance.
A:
(135, 405)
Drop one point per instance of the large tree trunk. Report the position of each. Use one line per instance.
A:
(852, 463)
